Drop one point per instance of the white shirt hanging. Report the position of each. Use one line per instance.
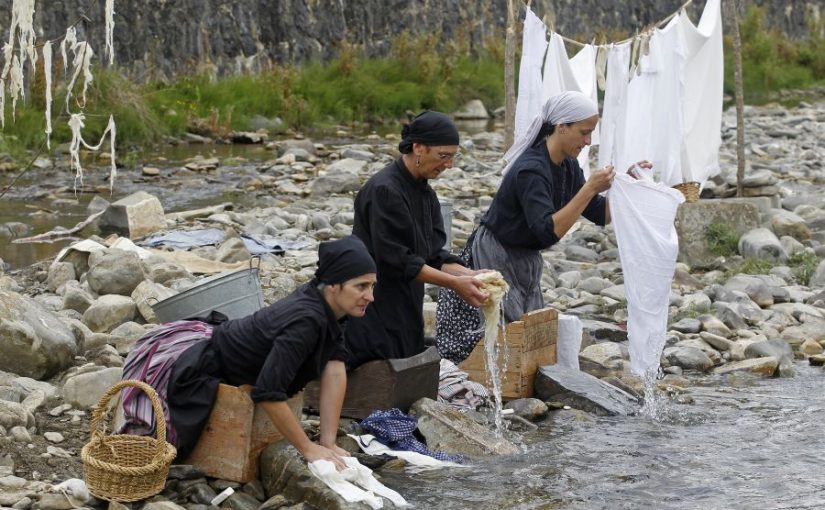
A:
(612, 133)
(533, 47)
(702, 102)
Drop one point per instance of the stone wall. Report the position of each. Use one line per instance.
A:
(157, 39)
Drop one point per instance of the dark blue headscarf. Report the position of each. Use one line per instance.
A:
(343, 259)
(429, 128)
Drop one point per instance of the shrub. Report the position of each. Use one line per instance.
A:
(722, 239)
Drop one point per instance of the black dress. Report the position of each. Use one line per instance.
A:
(278, 350)
(399, 220)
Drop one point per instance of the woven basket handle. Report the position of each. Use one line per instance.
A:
(103, 404)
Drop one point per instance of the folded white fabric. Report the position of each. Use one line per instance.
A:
(344, 483)
(372, 446)
(569, 341)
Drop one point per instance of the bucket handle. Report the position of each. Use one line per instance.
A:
(257, 260)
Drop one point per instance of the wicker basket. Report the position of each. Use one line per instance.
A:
(126, 467)
(689, 189)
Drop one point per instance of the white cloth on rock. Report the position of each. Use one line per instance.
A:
(346, 483)
(643, 214)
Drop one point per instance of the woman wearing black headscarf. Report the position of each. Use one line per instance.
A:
(276, 350)
(398, 216)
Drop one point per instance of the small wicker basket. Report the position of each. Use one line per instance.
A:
(126, 467)
(689, 189)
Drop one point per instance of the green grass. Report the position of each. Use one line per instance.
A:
(771, 61)
(722, 240)
(803, 265)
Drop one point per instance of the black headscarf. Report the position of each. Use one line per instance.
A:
(343, 259)
(429, 128)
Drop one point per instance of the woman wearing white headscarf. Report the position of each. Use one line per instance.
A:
(541, 196)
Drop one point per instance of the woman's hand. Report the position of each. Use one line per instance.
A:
(470, 290)
(315, 452)
(601, 179)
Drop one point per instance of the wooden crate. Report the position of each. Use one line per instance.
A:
(384, 384)
(531, 343)
(235, 435)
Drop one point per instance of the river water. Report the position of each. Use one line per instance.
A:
(745, 443)
(45, 199)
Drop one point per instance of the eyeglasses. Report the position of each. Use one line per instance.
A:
(447, 156)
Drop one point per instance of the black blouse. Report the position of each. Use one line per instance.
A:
(399, 219)
(521, 215)
(282, 347)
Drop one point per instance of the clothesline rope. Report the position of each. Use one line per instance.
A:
(646, 29)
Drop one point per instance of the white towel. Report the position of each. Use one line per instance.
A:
(344, 483)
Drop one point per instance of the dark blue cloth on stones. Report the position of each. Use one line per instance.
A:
(395, 429)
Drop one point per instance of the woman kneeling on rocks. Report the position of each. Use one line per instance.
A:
(277, 350)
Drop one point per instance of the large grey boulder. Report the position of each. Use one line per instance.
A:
(13, 414)
(777, 349)
(762, 366)
(134, 216)
(34, 342)
(85, 389)
(472, 110)
(335, 182)
(445, 428)
(583, 391)
(761, 243)
(114, 272)
(688, 357)
(693, 220)
(109, 312)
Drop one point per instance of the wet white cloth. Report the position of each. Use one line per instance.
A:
(346, 483)
(562, 74)
(372, 446)
(533, 46)
(643, 213)
(614, 110)
(569, 341)
(702, 102)
(571, 106)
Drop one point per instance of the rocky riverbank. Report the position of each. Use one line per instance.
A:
(66, 326)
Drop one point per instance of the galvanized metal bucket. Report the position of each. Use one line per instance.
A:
(234, 294)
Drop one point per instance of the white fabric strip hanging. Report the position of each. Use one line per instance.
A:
(612, 134)
(533, 46)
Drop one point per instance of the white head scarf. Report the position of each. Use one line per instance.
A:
(564, 108)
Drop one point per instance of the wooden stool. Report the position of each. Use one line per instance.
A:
(531, 342)
(235, 434)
